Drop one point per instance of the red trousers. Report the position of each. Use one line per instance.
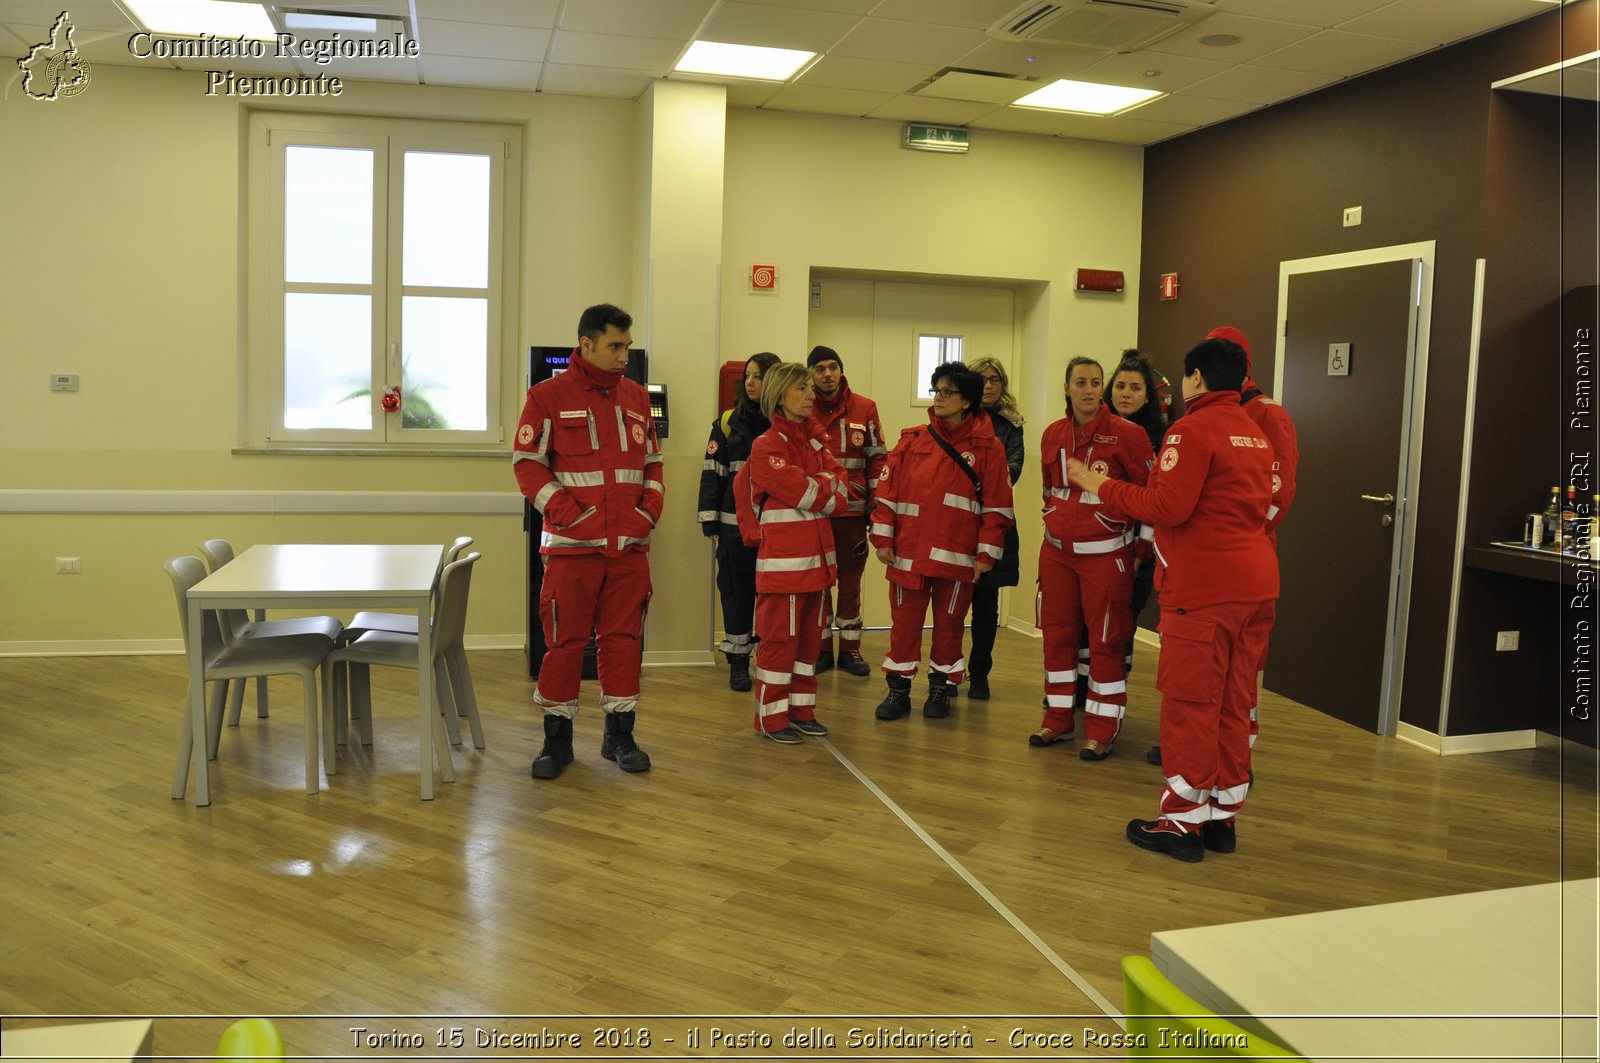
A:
(1090, 593)
(1207, 679)
(1255, 709)
(907, 609)
(850, 549)
(785, 665)
(608, 596)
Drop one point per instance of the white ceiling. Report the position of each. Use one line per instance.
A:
(874, 55)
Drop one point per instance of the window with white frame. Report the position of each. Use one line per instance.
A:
(932, 352)
(381, 254)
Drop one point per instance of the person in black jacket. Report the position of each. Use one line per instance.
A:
(1001, 406)
(731, 437)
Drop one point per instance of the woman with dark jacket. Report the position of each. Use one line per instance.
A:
(1135, 394)
(1006, 419)
(732, 435)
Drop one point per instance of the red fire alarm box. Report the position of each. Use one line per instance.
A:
(730, 382)
(1099, 280)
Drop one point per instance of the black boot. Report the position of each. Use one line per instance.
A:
(897, 702)
(825, 661)
(937, 707)
(618, 744)
(739, 671)
(557, 751)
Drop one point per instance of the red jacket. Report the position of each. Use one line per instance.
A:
(926, 509)
(797, 486)
(1208, 500)
(1075, 520)
(586, 456)
(1273, 420)
(852, 434)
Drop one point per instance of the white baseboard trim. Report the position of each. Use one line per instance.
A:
(1456, 745)
(1566, 747)
(1146, 636)
(679, 659)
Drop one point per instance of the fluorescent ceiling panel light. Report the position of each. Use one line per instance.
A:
(1083, 97)
(742, 61)
(307, 20)
(196, 18)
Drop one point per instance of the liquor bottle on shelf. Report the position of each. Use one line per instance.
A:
(1567, 542)
(1552, 520)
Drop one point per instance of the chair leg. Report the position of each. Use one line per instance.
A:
(214, 719)
(466, 699)
(441, 746)
(313, 728)
(330, 742)
(261, 697)
(441, 694)
(361, 699)
(180, 771)
(235, 690)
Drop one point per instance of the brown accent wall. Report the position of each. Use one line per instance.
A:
(1411, 146)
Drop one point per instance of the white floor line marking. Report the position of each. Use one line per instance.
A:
(983, 891)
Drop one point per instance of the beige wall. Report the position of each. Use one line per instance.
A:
(125, 208)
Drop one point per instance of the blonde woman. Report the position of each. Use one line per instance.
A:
(1006, 419)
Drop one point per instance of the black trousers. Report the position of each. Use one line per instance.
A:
(985, 622)
(736, 583)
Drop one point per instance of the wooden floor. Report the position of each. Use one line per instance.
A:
(932, 873)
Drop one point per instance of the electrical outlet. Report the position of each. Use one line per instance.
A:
(1352, 216)
(69, 566)
(1506, 641)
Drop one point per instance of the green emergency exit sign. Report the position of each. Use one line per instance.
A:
(935, 137)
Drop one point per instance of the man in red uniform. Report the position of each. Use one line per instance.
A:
(1207, 500)
(586, 456)
(851, 432)
(1274, 423)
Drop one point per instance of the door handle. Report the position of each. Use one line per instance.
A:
(1383, 500)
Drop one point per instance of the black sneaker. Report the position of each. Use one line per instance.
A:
(1153, 835)
(1153, 755)
(852, 661)
(978, 688)
(788, 736)
(824, 661)
(814, 728)
(1220, 836)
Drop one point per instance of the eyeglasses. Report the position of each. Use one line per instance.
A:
(943, 393)
(991, 380)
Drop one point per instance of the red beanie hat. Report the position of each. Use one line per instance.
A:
(1232, 335)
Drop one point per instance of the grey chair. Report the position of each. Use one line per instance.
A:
(258, 658)
(238, 626)
(399, 649)
(406, 624)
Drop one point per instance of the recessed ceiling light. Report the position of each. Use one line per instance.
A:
(1083, 97)
(1221, 40)
(742, 61)
(195, 18)
(313, 20)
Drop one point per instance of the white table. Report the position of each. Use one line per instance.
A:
(1504, 974)
(312, 577)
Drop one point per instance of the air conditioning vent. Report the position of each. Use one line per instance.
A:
(1111, 25)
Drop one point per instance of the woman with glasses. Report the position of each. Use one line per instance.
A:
(731, 437)
(941, 508)
(1086, 564)
(1006, 420)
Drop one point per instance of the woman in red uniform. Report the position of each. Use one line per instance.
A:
(1086, 564)
(796, 486)
(941, 509)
